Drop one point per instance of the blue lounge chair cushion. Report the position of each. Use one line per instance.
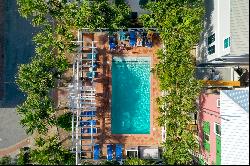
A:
(91, 74)
(109, 152)
(89, 56)
(132, 40)
(118, 152)
(132, 35)
(112, 45)
(122, 36)
(88, 123)
(88, 113)
(111, 39)
(96, 152)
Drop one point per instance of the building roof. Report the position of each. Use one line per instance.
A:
(216, 73)
(239, 27)
(240, 97)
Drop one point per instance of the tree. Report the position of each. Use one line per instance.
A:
(35, 77)
(23, 157)
(6, 160)
(36, 113)
(50, 152)
(143, 3)
(179, 24)
(102, 14)
(64, 121)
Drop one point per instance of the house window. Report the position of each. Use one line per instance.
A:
(226, 42)
(218, 103)
(206, 143)
(217, 129)
(205, 137)
(211, 50)
(211, 39)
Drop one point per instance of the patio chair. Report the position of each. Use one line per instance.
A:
(132, 40)
(144, 38)
(89, 56)
(149, 43)
(88, 130)
(122, 36)
(96, 152)
(88, 123)
(118, 152)
(112, 44)
(109, 152)
(88, 114)
(91, 74)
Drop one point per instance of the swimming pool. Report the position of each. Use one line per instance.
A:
(130, 95)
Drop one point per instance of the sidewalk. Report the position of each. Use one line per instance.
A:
(14, 149)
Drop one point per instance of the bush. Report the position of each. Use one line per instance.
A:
(119, 2)
(23, 157)
(143, 3)
(110, 163)
(137, 161)
(64, 121)
(6, 160)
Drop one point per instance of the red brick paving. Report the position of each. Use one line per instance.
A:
(103, 97)
(105, 137)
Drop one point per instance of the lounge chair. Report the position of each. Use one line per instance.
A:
(112, 44)
(88, 130)
(87, 98)
(132, 38)
(109, 152)
(88, 103)
(122, 36)
(91, 74)
(89, 56)
(149, 43)
(88, 123)
(118, 152)
(144, 38)
(96, 152)
(88, 114)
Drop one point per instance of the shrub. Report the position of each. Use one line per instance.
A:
(64, 121)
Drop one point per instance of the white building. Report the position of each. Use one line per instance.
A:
(225, 38)
(234, 110)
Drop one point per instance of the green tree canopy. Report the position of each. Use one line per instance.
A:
(179, 24)
(64, 121)
(6, 160)
(36, 113)
(50, 152)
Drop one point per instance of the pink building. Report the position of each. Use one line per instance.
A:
(209, 128)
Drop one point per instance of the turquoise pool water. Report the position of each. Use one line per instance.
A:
(130, 96)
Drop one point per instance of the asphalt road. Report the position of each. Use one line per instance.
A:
(18, 49)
